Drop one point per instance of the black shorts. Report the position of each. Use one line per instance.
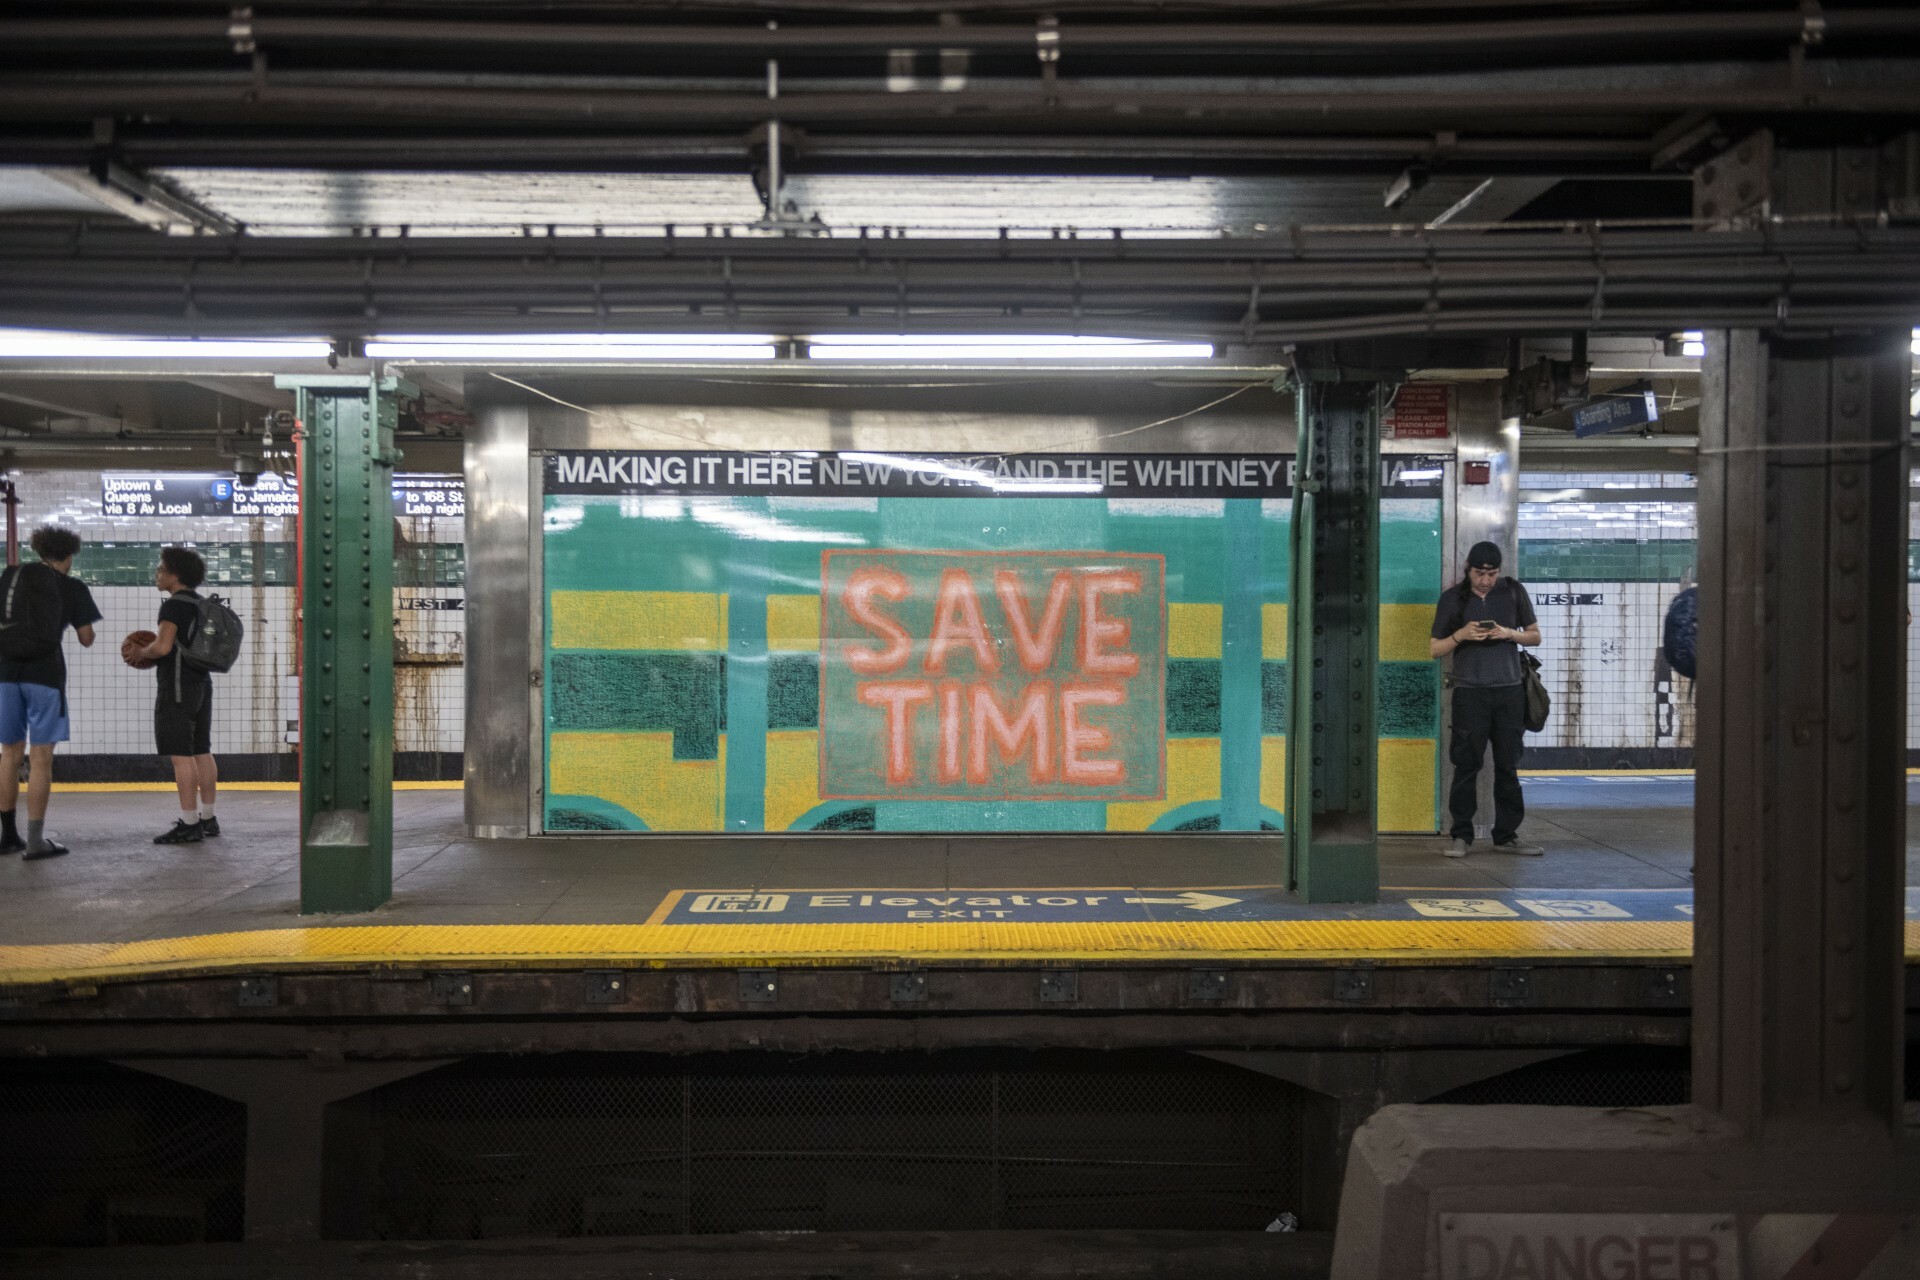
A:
(184, 728)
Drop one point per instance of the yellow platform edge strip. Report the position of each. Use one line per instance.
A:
(822, 945)
(107, 788)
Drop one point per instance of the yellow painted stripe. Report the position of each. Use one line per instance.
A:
(654, 620)
(1273, 632)
(793, 623)
(105, 788)
(1405, 631)
(1405, 784)
(1193, 631)
(672, 946)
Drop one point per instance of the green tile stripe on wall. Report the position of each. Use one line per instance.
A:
(686, 693)
(1604, 560)
(269, 564)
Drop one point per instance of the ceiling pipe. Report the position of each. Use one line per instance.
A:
(1654, 35)
(1073, 109)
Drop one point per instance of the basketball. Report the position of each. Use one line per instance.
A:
(137, 640)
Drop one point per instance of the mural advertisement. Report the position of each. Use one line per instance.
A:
(953, 675)
(941, 643)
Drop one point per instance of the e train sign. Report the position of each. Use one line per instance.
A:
(150, 496)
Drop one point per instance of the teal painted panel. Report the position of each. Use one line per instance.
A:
(1411, 570)
(1023, 815)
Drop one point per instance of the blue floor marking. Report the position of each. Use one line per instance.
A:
(1091, 904)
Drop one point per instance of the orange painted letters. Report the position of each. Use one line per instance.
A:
(1034, 721)
(957, 624)
(899, 698)
(1099, 634)
(866, 583)
(1036, 649)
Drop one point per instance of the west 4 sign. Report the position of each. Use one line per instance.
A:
(950, 675)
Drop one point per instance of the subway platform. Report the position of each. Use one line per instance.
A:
(1614, 883)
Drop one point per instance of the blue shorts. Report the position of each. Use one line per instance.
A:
(32, 713)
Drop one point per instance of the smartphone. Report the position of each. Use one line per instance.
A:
(1484, 625)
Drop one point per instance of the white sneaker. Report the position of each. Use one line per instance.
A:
(1519, 848)
(1456, 849)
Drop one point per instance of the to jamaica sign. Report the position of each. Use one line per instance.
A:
(961, 675)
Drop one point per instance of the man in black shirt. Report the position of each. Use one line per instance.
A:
(33, 698)
(1483, 622)
(183, 711)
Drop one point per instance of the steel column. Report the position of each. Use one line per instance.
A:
(346, 713)
(1801, 818)
(1801, 745)
(499, 727)
(1333, 644)
(1488, 512)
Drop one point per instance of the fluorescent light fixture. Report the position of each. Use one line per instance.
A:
(1047, 486)
(1693, 343)
(969, 475)
(32, 343)
(573, 346)
(874, 346)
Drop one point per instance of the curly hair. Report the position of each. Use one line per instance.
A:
(51, 542)
(185, 564)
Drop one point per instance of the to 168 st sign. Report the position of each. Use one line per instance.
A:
(951, 675)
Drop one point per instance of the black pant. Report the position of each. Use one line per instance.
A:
(1481, 716)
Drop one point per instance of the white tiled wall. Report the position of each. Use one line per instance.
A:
(256, 705)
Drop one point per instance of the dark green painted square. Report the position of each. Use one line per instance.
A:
(1275, 697)
(642, 692)
(793, 691)
(1193, 697)
(1408, 703)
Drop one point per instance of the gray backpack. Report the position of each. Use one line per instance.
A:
(213, 642)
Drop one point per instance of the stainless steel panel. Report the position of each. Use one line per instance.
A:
(1481, 513)
(499, 595)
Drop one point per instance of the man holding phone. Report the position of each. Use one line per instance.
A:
(1481, 623)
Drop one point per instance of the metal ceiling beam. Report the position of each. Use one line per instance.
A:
(1067, 109)
(1494, 200)
(259, 391)
(91, 401)
(612, 151)
(1300, 284)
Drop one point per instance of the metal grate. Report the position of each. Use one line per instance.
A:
(629, 1144)
(98, 1154)
(1617, 1077)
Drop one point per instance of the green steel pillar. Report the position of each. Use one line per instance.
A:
(1333, 643)
(346, 637)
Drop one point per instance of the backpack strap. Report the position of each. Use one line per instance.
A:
(179, 642)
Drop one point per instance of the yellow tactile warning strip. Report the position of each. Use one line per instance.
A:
(102, 788)
(778, 945)
(735, 945)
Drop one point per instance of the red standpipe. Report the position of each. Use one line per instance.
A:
(299, 599)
